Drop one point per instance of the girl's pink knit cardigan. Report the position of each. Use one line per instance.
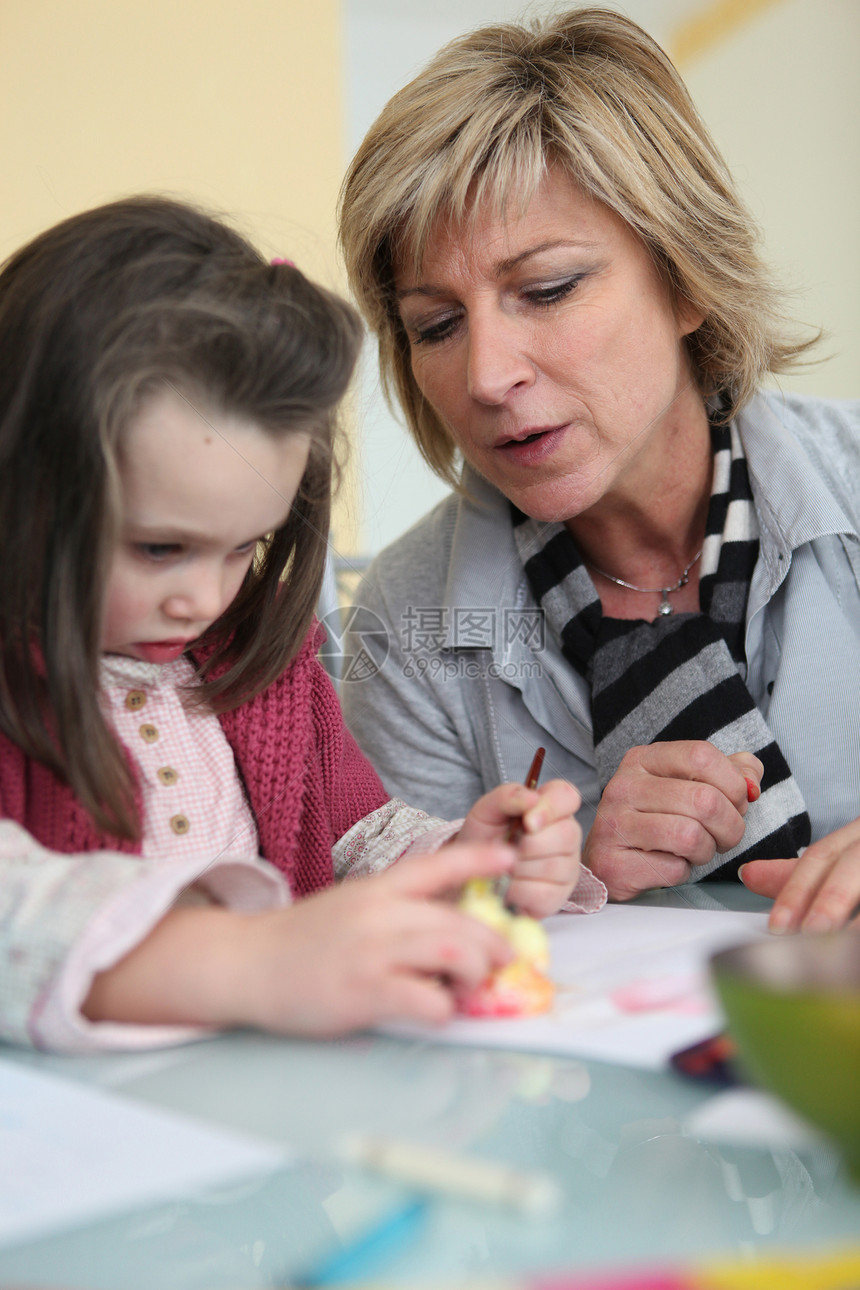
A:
(306, 779)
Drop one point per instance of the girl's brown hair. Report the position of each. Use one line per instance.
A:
(590, 92)
(96, 315)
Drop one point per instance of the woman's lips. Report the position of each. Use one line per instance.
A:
(531, 447)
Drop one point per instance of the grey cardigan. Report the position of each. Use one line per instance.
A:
(461, 684)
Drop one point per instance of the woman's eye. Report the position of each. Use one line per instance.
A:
(553, 292)
(157, 550)
(434, 332)
(246, 547)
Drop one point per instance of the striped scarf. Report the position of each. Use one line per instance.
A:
(683, 675)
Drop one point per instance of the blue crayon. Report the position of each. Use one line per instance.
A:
(362, 1257)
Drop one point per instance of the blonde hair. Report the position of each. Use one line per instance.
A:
(590, 92)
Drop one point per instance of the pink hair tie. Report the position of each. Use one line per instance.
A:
(280, 260)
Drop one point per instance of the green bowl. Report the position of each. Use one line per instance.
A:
(793, 1008)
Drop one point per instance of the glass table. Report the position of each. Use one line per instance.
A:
(638, 1188)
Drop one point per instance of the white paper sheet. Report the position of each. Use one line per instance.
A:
(72, 1153)
(632, 986)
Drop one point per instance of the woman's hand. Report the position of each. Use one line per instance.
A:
(816, 893)
(548, 851)
(668, 807)
(376, 949)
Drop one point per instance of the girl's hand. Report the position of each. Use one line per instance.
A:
(375, 949)
(668, 807)
(548, 850)
(816, 893)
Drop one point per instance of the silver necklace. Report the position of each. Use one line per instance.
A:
(663, 592)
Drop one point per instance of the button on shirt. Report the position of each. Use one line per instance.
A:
(193, 799)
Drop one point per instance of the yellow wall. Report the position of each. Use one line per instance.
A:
(777, 84)
(237, 107)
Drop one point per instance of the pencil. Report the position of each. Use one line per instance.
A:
(514, 831)
(515, 828)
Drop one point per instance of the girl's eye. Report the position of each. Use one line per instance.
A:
(246, 547)
(553, 292)
(157, 550)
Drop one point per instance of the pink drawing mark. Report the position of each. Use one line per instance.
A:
(681, 994)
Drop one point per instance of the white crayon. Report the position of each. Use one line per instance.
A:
(449, 1174)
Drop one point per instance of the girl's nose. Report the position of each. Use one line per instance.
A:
(200, 598)
(497, 362)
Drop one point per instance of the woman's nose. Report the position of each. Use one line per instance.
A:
(497, 361)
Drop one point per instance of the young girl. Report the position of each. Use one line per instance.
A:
(166, 417)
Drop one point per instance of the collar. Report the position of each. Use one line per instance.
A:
(123, 670)
(774, 443)
(486, 583)
(796, 502)
(484, 569)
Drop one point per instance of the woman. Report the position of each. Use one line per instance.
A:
(648, 566)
